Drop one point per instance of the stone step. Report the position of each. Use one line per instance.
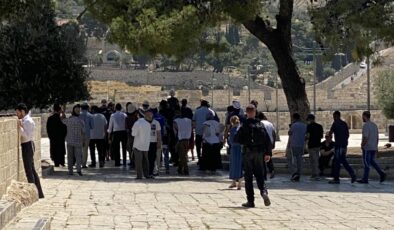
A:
(8, 211)
(30, 223)
(282, 168)
(352, 159)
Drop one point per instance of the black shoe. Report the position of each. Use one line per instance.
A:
(138, 178)
(84, 167)
(70, 174)
(248, 205)
(167, 172)
(92, 166)
(321, 174)
(155, 174)
(272, 175)
(295, 178)
(267, 201)
(353, 179)
(101, 165)
(383, 178)
(334, 182)
(56, 165)
(362, 181)
(80, 173)
(118, 165)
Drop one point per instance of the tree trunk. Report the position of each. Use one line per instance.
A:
(293, 84)
(278, 40)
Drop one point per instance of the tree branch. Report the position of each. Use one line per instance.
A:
(283, 19)
(259, 29)
(84, 11)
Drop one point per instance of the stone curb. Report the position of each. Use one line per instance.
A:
(8, 211)
(47, 171)
(31, 223)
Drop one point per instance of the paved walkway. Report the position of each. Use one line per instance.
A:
(111, 199)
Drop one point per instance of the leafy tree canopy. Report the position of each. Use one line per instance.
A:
(40, 62)
(385, 93)
(344, 23)
(171, 27)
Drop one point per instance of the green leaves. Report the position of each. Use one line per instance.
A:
(40, 62)
(385, 93)
(340, 24)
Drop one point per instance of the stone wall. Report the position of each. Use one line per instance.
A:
(11, 164)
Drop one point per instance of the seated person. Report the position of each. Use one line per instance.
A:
(326, 153)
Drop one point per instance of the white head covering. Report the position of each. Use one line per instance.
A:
(131, 108)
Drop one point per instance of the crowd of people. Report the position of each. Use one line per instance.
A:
(146, 138)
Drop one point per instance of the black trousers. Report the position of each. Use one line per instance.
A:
(254, 165)
(57, 149)
(28, 163)
(119, 137)
(172, 149)
(152, 157)
(100, 145)
(324, 162)
(198, 145)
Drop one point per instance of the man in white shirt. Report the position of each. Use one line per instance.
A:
(141, 132)
(97, 137)
(26, 127)
(117, 131)
(182, 129)
(369, 146)
(155, 140)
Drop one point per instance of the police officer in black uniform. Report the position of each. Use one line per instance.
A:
(256, 151)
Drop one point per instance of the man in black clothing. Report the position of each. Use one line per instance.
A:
(186, 111)
(57, 132)
(327, 149)
(314, 134)
(173, 102)
(256, 151)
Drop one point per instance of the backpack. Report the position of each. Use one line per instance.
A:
(252, 134)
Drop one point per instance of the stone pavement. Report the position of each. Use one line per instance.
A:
(110, 198)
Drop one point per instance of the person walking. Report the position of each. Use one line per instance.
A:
(297, 141)
(199, 117)
(117, 133)
(155, 140)
(141, 132)
(57, 132)
(188, 113)
(26, 127)
(165, 112)
(272, 134)
(255, 140)
(97, 137)
(75, 139)
(87, 118)
(341, 133)
(107, 111)
(132, 117)
(212, 144)
(327, 149)
(369, 146)
(182, 129)
(314, 134)
(235, 155)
